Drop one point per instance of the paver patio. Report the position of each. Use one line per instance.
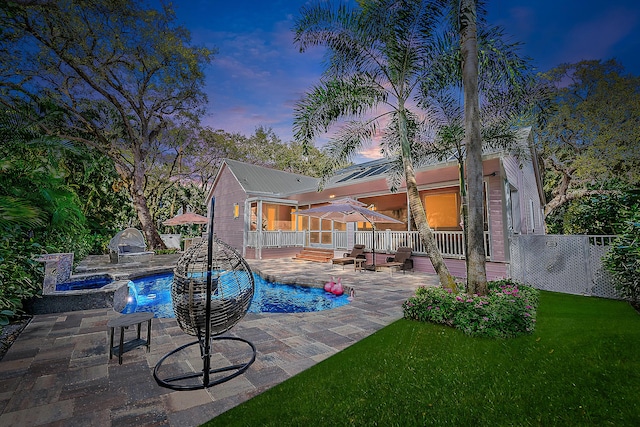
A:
(58, 372)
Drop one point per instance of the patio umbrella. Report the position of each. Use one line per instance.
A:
(187, 218)
(350, 210)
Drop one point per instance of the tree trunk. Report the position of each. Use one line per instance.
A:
(419, 216)
(464, 210)
(476, 257)
(136, 188)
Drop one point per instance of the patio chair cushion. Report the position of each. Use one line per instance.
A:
(401, 259)
(356, 252)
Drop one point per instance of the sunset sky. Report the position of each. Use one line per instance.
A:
(258, 75)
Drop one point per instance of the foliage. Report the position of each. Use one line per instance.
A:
(579, 368)
(599, 214)
(20, 274)
(126, 81)
(40, 207)
(508, 310)
(104, 200)
(590, 138)
(623, 259)
(265, 148)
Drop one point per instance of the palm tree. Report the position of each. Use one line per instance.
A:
(476, 271)
(376, 59)
(498, 90)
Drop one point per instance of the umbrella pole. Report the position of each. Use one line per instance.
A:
(373, 245)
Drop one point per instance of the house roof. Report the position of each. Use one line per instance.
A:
(377, 168)
(260, 180)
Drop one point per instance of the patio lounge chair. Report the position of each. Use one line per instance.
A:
(349, 258)
(402, 260)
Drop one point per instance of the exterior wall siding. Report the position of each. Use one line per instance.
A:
(228, 192)
(522, 176)
(495, 208)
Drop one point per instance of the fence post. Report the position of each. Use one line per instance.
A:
(587, 265)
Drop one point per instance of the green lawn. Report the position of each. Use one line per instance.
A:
(581, 367)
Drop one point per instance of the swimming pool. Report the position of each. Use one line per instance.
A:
(153, 294)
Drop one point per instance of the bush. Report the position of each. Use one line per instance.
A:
(623, 261)
(508, 310)
(165, 251)
(20, 275)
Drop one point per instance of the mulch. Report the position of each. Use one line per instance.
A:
(9, 333)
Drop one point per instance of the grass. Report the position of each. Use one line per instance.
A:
(580, 367)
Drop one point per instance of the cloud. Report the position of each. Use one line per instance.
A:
(257, 77)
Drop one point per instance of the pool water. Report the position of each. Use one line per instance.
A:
(80, 285)
(153, 294)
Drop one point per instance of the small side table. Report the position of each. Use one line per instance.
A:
(123, 322)
(358, 264)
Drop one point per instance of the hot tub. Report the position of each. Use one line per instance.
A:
(83, 292)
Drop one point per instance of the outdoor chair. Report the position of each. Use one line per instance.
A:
(349, 258)
(402, 260)
(128, 245)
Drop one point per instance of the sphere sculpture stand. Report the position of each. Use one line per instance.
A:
(208, 300)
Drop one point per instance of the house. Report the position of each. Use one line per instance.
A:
(255, 208)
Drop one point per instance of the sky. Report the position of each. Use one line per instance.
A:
(258, 74)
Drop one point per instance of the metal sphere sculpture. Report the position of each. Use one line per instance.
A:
(231, 292)
(211, 291)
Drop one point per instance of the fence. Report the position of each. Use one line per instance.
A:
(562, 263)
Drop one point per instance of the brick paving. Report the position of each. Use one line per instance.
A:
(58, 372)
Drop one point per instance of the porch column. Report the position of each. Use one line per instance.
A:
(351, 234)
(246, 227)
(408, 214)
(259, 230)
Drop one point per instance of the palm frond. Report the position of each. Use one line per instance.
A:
(18, 212)
(332, 100)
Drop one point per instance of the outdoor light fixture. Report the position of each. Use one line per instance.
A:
(236, 211)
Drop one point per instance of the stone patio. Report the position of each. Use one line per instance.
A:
(58, 372)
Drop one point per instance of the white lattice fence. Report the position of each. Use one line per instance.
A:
(562, 263)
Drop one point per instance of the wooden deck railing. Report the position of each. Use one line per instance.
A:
(450, 243)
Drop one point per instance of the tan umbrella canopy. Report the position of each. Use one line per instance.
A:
(187, 218)
(350, 210)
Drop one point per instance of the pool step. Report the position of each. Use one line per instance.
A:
(315, 254)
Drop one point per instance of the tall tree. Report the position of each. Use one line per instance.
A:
(476, 257)
(591, 138)
(376, 57)
(505, 91)
(122, 75)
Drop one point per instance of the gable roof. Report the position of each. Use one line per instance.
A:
(260, 180)
(256, 179)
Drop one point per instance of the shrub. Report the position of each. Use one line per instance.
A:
(20, 275)
(508, 310)
(623, 261)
